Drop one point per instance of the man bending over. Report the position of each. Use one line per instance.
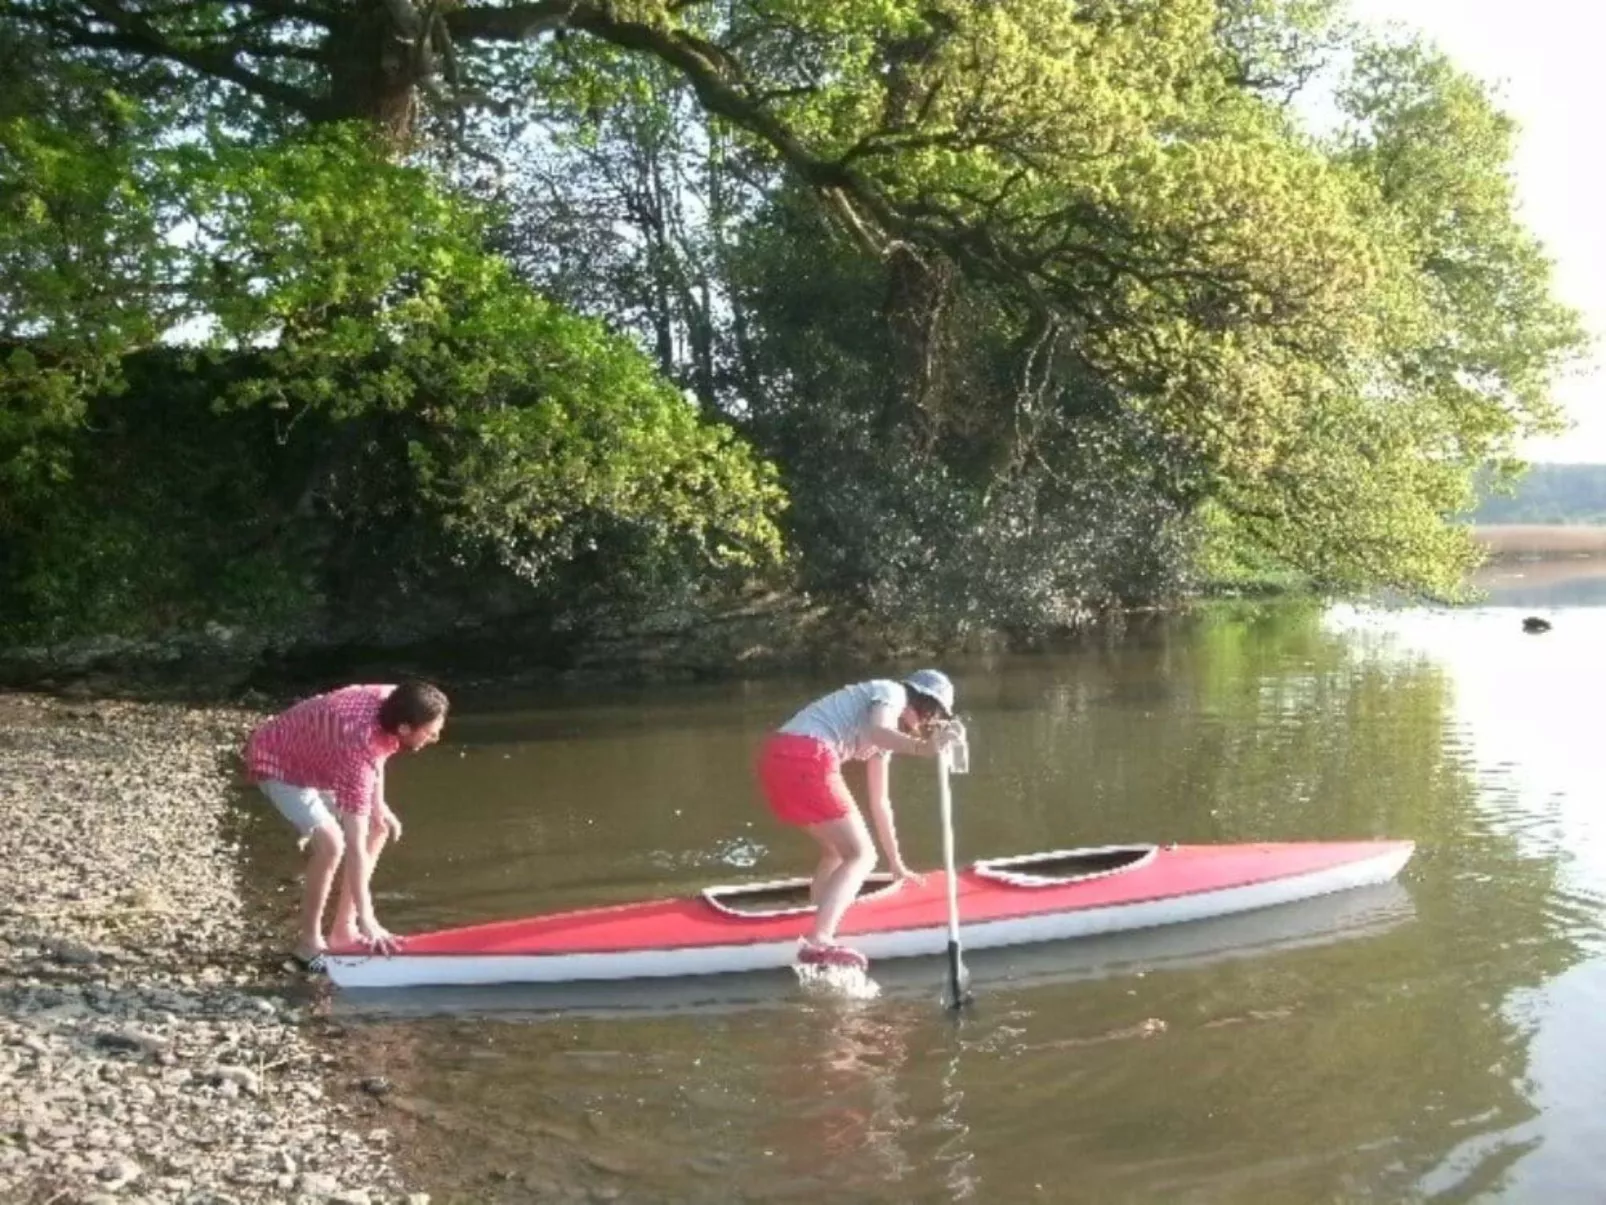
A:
(325, 758)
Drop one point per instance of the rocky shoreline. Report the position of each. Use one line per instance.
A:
(152, 1048)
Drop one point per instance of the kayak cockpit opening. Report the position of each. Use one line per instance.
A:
(783, 897)
(1061, 866)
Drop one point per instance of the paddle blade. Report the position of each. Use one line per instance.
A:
(958, 995)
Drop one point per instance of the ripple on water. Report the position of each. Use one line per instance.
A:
(740, 852)
(844, 983)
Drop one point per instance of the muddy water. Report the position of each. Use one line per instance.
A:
(1436, 1040)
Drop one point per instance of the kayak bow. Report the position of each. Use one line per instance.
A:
(1040, 897)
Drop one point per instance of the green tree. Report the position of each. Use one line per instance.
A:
(84, 272)
(430, 415)
(1097, 255)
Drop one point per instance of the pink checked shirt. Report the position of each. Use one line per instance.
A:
(330, 742)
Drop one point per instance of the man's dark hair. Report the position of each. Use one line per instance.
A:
(413, 703)
(924, 705)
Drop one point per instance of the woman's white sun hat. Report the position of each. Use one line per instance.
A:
(934, 684)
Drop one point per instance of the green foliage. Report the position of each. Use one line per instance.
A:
(1369, 471)
(918, 514)
(1310, 347)
(1092, 314)
(1431, 143)
(84, 271)
(168, 524)
(424, 411)
(508, 420)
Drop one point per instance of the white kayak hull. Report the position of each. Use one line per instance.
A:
(745, 954)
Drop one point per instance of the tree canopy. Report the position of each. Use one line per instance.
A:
(1030, 305)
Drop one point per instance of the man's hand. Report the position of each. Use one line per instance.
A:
(377, 938)
(392, 824)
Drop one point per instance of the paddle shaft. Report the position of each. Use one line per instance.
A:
(959, 993)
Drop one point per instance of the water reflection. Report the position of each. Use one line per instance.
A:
(843, 1072)
(1524, 712)
(1415, 1058)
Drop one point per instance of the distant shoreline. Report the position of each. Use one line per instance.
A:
(1540, 541)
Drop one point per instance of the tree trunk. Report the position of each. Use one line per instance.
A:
(915, 310)
(379, 54)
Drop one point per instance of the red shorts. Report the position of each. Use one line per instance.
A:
(802, 780)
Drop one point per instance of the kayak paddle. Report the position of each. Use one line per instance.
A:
(955, 758)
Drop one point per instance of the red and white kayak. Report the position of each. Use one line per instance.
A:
(1002, 902)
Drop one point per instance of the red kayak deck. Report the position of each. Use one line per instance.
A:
(984, 895)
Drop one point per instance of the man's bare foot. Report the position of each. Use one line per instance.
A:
(346, 939)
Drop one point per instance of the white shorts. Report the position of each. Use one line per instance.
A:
(305, 807)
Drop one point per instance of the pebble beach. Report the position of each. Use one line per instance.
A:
(153, 1045)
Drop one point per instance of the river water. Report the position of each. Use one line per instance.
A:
(1436, 1040)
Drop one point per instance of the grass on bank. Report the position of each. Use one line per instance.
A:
(1231, 573)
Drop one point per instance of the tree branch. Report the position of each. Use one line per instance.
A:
(129, 31)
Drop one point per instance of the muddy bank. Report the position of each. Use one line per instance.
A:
(152, 1047)
(752, 637)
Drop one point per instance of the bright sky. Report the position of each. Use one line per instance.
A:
(1543, 57)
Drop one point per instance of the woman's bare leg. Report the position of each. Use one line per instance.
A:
(829, 861)
(846, 843)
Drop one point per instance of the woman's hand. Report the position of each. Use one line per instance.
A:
(902, 874)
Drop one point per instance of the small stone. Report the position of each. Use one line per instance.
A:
(175, 1002)
(418, 1198)
(376, 1086)
(316, 1185)
(120, 1171)
(351, 1196)
(71, 953)
(128, 1040)
(608, 1163)
(240, 1078)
